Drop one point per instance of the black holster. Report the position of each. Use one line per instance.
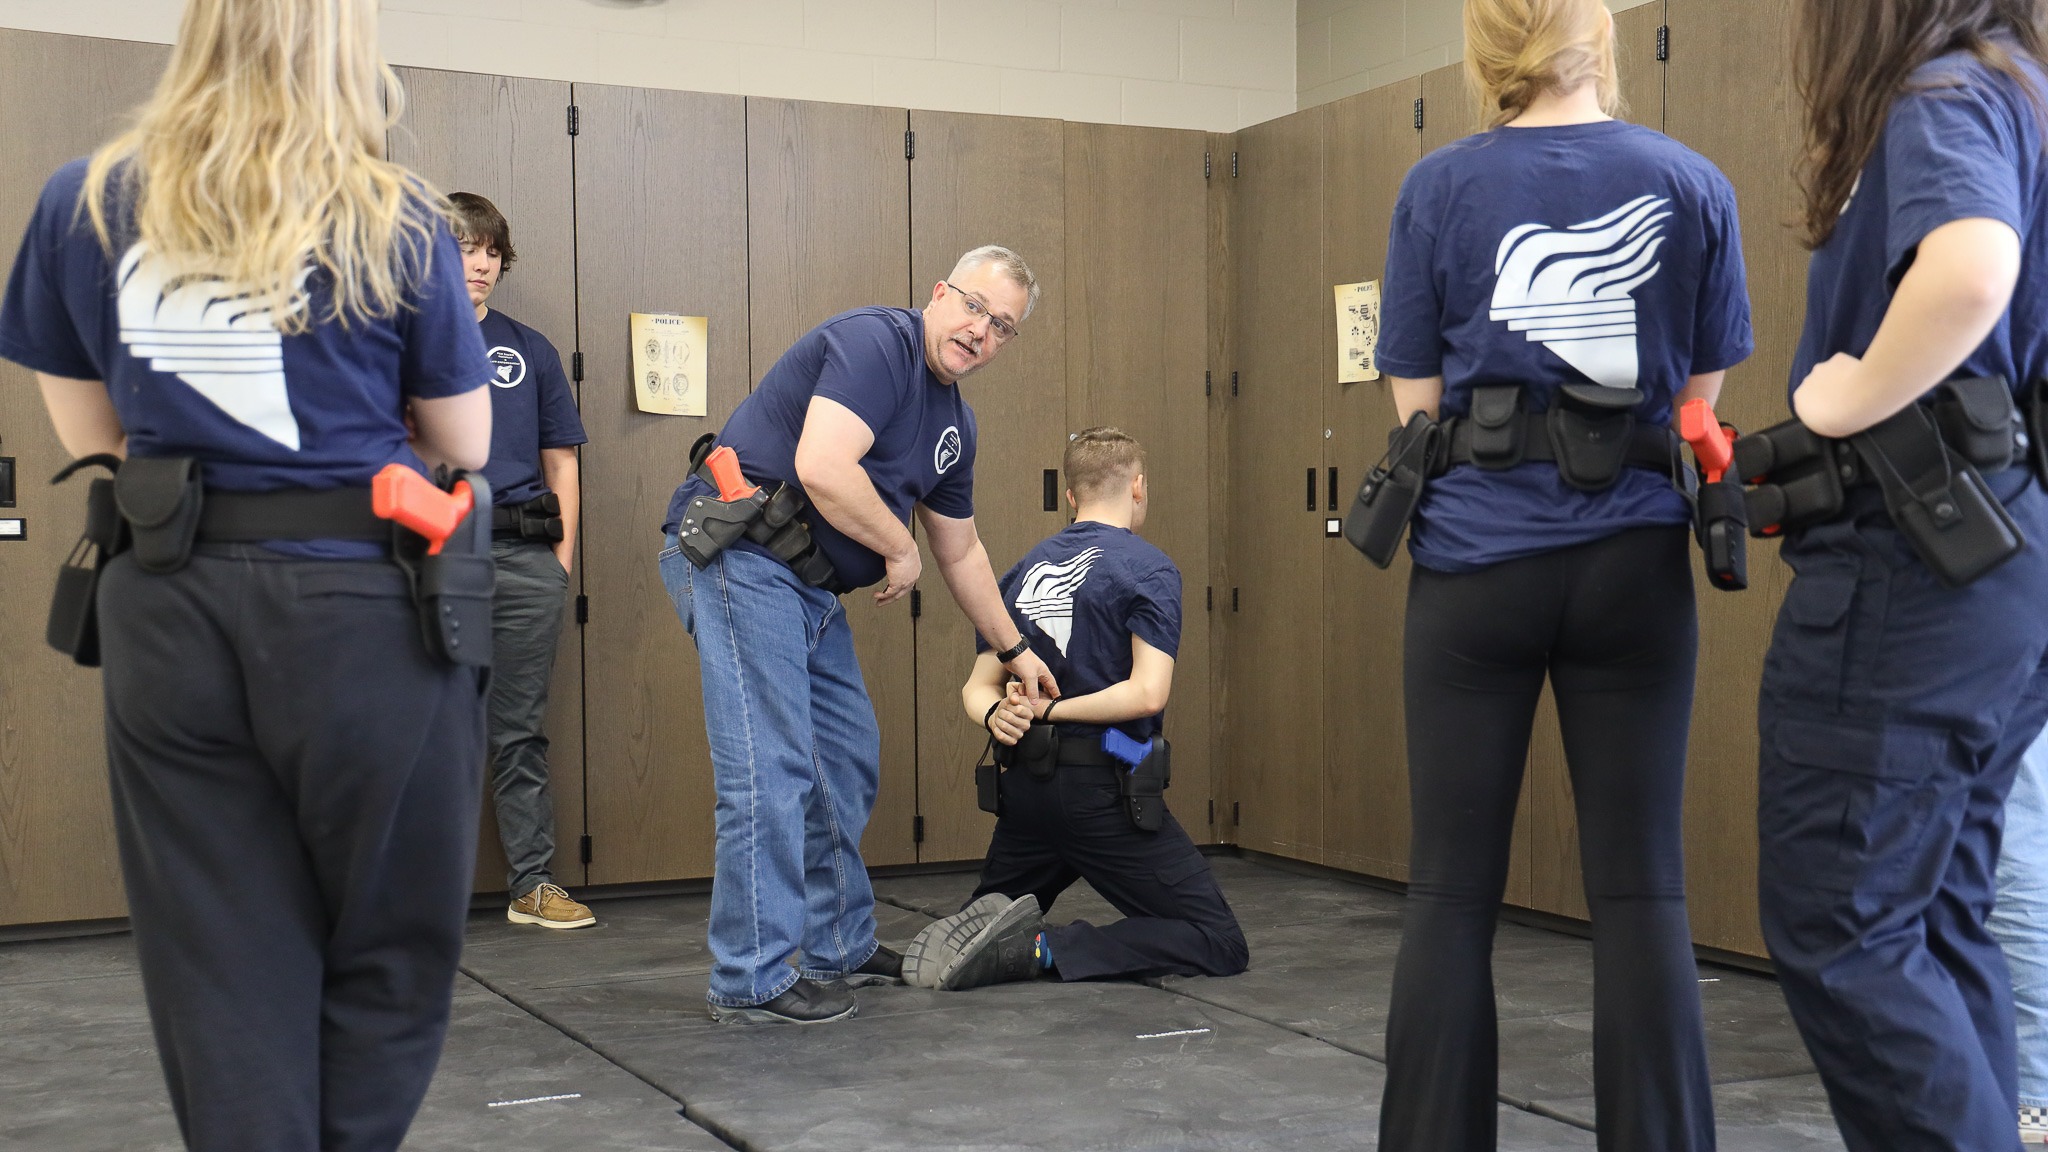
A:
(768, 518)
(1721, 522)
(453, 588)
(1386, 500)
(1143, 786)
(1591, 428)
(1037, 752)
(73, 627)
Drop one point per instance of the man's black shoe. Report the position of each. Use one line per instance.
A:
(804, 1002)
(884, 967)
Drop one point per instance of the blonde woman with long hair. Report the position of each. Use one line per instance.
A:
(241, 295)
(1556, 286)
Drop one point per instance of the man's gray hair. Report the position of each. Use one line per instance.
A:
(1012, 265)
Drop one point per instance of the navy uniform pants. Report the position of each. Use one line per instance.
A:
(295, 787)
(1893, 715)
(1072, 827)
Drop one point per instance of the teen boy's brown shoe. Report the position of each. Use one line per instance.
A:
(550, 907)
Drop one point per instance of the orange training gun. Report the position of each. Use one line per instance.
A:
(1712, 445)
(724, 466)
(403, 496)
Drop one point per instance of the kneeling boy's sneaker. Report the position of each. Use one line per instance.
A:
(804, 1002)
(2033, 1124)
(1005, 949)
(945, 937)
(550, 907)
(884, 967)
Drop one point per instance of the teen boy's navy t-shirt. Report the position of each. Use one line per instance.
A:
(1080, 596)
(532, 407)
(197, 368)
(1598, 253)
(1963, 142)
(872, 361)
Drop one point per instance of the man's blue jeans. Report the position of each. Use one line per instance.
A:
(796, 757)
(2020, 920)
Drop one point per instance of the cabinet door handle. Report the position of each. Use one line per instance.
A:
(1333, 490)
(1311, 489)
(1052, 490)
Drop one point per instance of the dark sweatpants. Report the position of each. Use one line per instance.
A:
(1072, 826)
(295, 790)
(1612, 624)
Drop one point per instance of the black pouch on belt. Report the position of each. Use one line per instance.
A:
(1800, 477)
(161, 498)
(1498, 430)
(541, 518)
(1938, 499)
(74, 627)
(988, 793)
(452, 588)
(1386, 500)
(1978, 419)
(1591, 427)
(1036, 752)
(1143, 787)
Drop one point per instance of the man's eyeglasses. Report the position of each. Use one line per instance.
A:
(1002, 329)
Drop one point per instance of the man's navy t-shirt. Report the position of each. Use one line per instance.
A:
(1080, 596)
(872, 361)
(1964, 142)
(1588, 253)
(532, 407)
(195, 368)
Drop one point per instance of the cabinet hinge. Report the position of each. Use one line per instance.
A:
(576, 367)
(1233, 599)
(1233, 383)
(1233, 814)
(1233, 165)
(583, 849)
(916, 603)
(575, 120)
(1208, 165)
(917, 829)
(1208, 384)
(1664, 42)
(582, 609)
(1212, 811)
(1418, 113)
(909, 144)
(1209, 598)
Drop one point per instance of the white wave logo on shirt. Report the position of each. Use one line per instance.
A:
(1568, 288)
(220, 341)
(946, 452)
(1046, 594)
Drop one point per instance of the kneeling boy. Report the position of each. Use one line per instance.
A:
(1101, 607)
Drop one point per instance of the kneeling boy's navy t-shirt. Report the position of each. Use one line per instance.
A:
(872, 361)
(1080, 596)
(1580, 254)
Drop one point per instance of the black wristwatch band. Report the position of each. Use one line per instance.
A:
(1023, 646)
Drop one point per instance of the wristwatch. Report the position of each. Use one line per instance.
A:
(1009, 654)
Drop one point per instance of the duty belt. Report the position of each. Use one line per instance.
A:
(290, 514)
(1651, 447)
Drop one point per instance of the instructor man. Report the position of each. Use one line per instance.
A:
(863, 421)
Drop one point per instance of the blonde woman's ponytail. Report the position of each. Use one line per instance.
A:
(1516, 50)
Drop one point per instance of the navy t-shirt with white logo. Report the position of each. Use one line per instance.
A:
(532, 407)
(1962, 143)
(872, 361)
(1597, 253)
(196, 368)
(1080, 596)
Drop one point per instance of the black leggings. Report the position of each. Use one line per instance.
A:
(1612, 623)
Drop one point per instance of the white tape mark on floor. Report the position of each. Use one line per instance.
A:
(534, 1100)
(1163, 1035)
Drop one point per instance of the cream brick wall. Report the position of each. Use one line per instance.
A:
(1209, 64)
(1347, 46)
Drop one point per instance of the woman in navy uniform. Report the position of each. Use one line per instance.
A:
(1894, 708)
(244, 280)
(1597, 266)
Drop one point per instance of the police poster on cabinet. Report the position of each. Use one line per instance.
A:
(1358, 331)
(668, 364)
